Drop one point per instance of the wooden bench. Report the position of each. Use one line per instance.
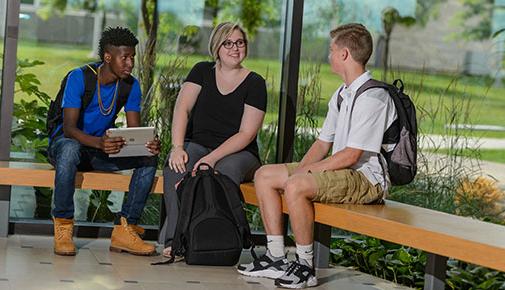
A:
(42, 175)
(439, 234)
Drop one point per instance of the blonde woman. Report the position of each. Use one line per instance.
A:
(218, 113)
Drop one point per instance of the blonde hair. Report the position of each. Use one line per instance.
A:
(219, 34)
(356, 38)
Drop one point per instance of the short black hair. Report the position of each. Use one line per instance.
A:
(116, 36)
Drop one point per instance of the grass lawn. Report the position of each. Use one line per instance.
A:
(487, 105)
(493, 155)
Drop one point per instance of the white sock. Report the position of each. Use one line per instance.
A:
(306, 252)
(275, 244)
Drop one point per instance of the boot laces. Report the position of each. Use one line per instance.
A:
(133, 234)
(64, 232)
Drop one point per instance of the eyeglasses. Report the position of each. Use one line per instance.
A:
(228, 44)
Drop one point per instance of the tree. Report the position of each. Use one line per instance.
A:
(150, 18)
(425, 10)
(390, 18)
(475, 19)
(251, 14)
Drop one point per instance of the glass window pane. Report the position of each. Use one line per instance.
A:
(53, 44)
(451, 65)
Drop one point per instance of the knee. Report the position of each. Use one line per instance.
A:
(263, 173)
(69, 152)
(294, 190)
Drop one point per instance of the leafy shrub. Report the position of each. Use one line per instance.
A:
(388, 261)
(479, 198)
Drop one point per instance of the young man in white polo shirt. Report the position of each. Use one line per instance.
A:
(351, 174)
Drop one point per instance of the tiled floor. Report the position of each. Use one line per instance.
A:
(28, 262)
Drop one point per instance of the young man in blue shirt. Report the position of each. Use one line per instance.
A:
(81, 142)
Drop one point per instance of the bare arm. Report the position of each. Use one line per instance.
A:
(317, 152)
(132, 119)
(70, 130)
(249, 127)
(185, 102)
(340, 160)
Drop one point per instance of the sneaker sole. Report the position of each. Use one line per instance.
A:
(312, 282)
(262, 274)
(120, 250)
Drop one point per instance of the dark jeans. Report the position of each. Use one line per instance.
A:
(240, 167)
(68, 155)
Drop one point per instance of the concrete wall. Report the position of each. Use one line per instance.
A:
(432, 48)
(74, 27)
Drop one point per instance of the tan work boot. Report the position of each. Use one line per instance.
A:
(63, 232)
(139, 230)
(125, 238)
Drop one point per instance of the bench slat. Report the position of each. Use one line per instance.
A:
(436, 232)
(42, 175)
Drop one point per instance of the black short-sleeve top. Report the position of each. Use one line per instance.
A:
(216, 117)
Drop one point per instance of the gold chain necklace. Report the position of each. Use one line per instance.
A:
(105, 111)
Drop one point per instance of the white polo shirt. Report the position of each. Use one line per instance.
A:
(363, 128)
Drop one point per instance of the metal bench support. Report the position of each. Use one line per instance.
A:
(322, 240)
(434, 276)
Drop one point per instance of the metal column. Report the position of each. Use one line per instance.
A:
(289, 80)
(291, 46)
(7, 102)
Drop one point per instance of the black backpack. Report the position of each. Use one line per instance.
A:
(402, 160)
(55, 112)
(212, 227)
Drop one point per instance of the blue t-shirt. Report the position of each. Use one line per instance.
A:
(93, 121)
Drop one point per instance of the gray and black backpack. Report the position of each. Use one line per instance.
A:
(402, 160)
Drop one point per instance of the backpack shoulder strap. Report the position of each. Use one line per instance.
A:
(371, 83)
(125, 87)
(90, 77)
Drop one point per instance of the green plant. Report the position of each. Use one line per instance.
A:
(382, 259)
(462, 275)
(28, 132)
(98, 209)
(309, 99)
(151, 215)
(406, 266)
(29, 117)
(159, 102)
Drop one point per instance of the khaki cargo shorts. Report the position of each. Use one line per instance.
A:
(344, 186)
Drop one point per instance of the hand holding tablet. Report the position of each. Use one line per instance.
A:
(135, 141)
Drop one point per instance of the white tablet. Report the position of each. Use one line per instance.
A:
(136, 139)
